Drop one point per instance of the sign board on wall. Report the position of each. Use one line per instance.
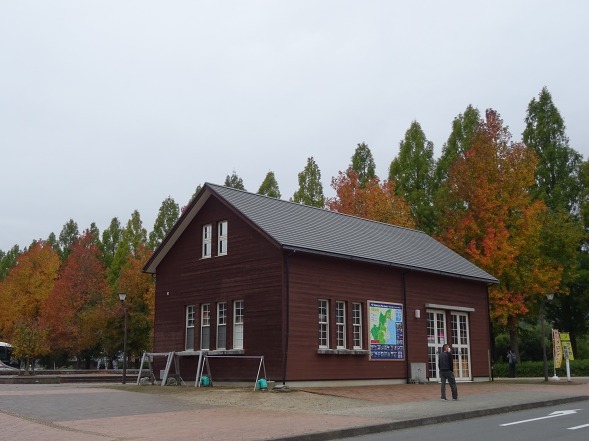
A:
(387, 338)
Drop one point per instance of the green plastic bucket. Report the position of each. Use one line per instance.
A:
(262, 384)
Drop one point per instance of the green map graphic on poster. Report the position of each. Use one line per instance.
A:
(386, 331)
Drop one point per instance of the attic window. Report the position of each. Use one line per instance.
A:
(207, 232)
(222, 242)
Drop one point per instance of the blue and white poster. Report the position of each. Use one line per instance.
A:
(387, 339)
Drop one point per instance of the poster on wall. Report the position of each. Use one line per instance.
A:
(387, 339)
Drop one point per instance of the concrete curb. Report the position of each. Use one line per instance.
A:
(417, 422)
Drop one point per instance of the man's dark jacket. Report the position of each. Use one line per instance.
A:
(445, 362)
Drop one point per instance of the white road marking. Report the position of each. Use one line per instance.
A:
(558, 413)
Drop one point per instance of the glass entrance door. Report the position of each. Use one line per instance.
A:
(461, 345)
(436, 338)
(459, 340)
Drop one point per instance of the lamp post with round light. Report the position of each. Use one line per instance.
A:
(122, 297)
(548, 298)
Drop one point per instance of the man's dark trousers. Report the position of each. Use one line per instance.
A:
(448, 375)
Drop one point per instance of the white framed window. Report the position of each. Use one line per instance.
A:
(357, 325)
(205, 326)
(323, 323)
(340, 324)
(221, 325)
(222, 238)
(189, 343)
(238, 324)
(207, 232)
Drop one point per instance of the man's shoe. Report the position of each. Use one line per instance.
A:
(444, 399)
(456, 399)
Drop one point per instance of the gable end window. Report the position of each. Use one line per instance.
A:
(207, 232)
(222, 238)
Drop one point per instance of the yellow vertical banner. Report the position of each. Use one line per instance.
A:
(565, 343)
(556, 348)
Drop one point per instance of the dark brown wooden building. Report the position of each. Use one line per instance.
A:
(321, 295)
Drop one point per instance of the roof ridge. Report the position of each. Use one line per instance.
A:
(325, 210)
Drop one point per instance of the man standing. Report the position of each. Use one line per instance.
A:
(512, 360)
(446, 366)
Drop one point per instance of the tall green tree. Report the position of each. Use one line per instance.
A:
(557, 182)
(413, 172)
(52, 241)
(570, 312)
(464, 127)
(269, 186)
(110, 241)
(168, 214)
(134, 233)
(94, 234)
(8, 260)
(133, 238)
(310, 190)
(363, 164)
(234, 181)
(68, 236)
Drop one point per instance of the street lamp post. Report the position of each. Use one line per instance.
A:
(548, 298)
(123, 296)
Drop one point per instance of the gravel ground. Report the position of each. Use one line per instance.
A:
(304, 401)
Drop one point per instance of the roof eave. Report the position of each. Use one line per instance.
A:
(490, 280)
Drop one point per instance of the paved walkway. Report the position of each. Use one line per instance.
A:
(87, 412)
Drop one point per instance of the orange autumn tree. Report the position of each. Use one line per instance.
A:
(373, 200)
(75, 311)
(490, 218)
(22, 294)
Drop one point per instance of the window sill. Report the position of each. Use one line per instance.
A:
(226, 352)
(342, 352)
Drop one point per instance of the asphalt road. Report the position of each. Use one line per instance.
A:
(564, 423)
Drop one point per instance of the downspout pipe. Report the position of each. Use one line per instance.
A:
(287, 313)
(406, 336)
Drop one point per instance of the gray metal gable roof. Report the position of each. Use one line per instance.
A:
(300, 227)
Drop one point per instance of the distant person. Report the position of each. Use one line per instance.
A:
(446, 366)
(512, 361)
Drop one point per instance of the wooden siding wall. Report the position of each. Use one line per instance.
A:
(251, 271)
(423, 288)
(313, 278)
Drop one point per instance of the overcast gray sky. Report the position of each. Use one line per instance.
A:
(111, 106)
